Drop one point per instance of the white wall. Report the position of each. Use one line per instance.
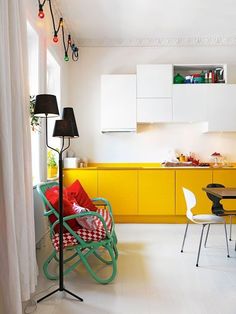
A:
(45, 31)
(152, 142)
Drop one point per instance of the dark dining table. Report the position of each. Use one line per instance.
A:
(222, 193)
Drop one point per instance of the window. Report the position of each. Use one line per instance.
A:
(33, 71)
(54, 88)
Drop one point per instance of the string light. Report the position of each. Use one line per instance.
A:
(69, 44)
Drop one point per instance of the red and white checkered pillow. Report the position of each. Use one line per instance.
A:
(86, 235)
(98, 233)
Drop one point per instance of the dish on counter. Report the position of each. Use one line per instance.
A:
(178, 164)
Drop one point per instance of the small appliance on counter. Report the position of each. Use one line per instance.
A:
(71, 162)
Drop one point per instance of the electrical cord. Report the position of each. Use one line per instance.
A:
(31, 305)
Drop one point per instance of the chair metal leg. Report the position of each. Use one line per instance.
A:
(207, 235)
(200, 244)
(185, 233)
(226, 238)
(230, 228)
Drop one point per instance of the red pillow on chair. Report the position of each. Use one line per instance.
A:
(76, 191)
(52, 196)
(74, 194)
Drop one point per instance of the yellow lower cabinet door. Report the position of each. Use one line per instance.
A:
(88, 179)
(194, 180)
(156, 190)
(227, 177)
(120, 188)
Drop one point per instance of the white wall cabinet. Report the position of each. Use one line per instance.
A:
(154, 93)
(156, 99)
(151, 110)
(190, 102)
(221, 108)
(154, 80)
(118, 103)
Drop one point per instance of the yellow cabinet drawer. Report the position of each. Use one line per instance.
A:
(156, 192)
(193, 180)
(88, 179)
(120, 188)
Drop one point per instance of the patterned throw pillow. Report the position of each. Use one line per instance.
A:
(87, 222)
(93, 222)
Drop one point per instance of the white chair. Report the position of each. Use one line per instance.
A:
(204, 220)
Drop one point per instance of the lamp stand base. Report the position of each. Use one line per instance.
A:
(63, 289)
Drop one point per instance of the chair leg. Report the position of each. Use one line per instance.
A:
(226, 238)
(200, 244)
(230, 228)
(185, 233)
(207, 235)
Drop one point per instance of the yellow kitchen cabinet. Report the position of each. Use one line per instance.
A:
(227, 177)
(156, 192)
(88, 179)
(120, 188)
(193, 180)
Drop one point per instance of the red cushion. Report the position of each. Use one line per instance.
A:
(86, 235)
(52, 196)
(76, 191)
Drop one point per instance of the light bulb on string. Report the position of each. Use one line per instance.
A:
(69, 46)
(41, 13)
(66, 58)
(55, 38)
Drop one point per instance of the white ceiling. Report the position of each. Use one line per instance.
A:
(101, 20)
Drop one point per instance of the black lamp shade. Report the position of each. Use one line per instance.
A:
(68, 114)
(46, 106)
(63, 128)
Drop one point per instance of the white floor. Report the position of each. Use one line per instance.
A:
(153, 276)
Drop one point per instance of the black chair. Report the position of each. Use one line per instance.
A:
(217, 207)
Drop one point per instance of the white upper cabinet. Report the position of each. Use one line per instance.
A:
(221, 108)
(154, 93)
(154, 80)
(153, 98)
(118, 103)
(151, 110)
(190, 102)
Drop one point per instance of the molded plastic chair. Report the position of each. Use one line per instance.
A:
(82, 250)
(203, 219)
(217, 207)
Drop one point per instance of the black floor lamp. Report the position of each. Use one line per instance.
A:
(46, 107)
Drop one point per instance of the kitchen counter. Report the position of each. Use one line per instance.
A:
(148, 192)
(149, 168)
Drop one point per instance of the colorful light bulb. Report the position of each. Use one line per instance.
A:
(66, 58)
(55, 38)
(41, 13)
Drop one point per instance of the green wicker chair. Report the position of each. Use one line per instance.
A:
(104, 250)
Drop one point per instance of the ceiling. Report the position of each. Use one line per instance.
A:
(99, 21)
